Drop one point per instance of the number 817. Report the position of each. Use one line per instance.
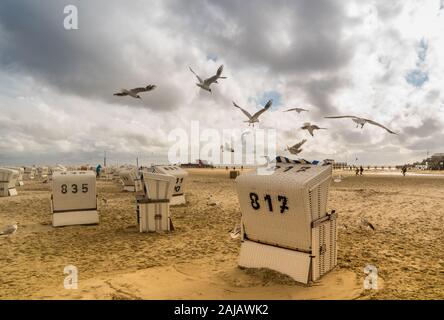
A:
(255, 204)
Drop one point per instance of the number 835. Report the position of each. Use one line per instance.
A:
(74, 188)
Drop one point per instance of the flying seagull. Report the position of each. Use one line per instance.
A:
(296, 149)
(362, 121)
(255, 117)
(205, 84)
(135, 92)
(10, 229)
(311, 128)
(298, 110)
(227, 148)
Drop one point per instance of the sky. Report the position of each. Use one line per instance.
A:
(374, 59)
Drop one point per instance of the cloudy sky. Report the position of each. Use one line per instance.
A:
(375, 59)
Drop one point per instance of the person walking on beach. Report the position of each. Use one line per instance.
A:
(404, 170)
(98, 169)
(361, 170)
(357, 171)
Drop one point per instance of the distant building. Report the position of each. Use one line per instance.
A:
(198, 164)
(436, 161)
(421, 166)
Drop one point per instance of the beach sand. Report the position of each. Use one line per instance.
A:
(199, 259)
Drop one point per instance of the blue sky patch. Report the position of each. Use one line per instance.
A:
(418, 76)
(422, 51)
(212, 56)
(267, 95)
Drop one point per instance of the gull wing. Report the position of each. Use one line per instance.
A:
(267, 106)
(310, 129)
(211, 80)
(198, 78)
(379, 125)
(294, 150)
(340, 117)
(244, 111)
(219, 70)
(215, 77)
(144, 89)
(299, 144)
(120, 94)
(296, 109)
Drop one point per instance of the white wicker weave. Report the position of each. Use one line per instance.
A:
(286, 208)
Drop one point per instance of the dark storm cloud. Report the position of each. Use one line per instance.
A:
(94, 60)
(432, 142)
(91, 61)
(320, 92)
(433, 96)
(250, 32)
(428, 128)
(388, 9)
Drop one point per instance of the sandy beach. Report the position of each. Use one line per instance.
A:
(199, 259)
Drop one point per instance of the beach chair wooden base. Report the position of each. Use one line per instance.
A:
(72, 218)
(302, 266)
(154, 216)
(290, 262)
(129, 188)
(178, 200)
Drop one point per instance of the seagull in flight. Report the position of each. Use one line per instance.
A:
(362, 121)
(311, 128)
(255, 117)
(205, 84)
(298, 110)
(227, 148)
(296, 149)
(135, 92)
(10, 229)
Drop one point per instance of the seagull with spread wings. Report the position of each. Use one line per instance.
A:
(311, 128)
(135, 92)
(205, 84)
(255, 117)
(362, 121)
(298, 110)
(296, 149)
